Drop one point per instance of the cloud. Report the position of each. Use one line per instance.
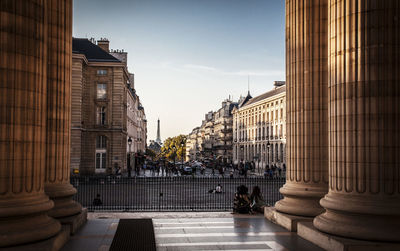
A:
(262, 73)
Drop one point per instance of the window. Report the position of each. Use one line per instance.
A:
(101, 72)
(101, 115)
(101, 159)
(101, 153)
(101, 91)
(101, 142)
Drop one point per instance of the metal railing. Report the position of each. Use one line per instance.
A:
(180, 193)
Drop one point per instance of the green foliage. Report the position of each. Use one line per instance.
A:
(174, 147)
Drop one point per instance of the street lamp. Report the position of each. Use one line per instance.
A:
(174, 148)
(130, 143)
(268, 145)
(129, 156)
(242, 153)
(263, 158)
(182, 144)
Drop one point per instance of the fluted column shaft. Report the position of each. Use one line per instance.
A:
(57, 185)
(306, 106)
(364, 121)
(23, 64)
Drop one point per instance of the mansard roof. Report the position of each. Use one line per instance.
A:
(92, 52)
(266, 95)
(244, 101)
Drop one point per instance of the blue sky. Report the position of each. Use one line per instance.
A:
(190, 55)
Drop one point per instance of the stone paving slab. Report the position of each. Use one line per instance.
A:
(193, 231)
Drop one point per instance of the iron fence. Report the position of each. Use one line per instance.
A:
(167, 193)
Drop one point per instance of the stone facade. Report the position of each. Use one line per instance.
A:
(192, 145)
(259, 129)
(213, 139)
(102, 90)
(136, 121)
(142, 130)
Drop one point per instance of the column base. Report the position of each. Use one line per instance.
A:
(53, 244)
(301, 199)
(364, 217)
(285, 220)
(62, 194)
(75, 222)
(307, 231)
(25, 220)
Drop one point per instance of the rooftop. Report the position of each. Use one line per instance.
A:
(265, 95)
(92, 52)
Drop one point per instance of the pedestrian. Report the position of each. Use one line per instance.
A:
(273, 170)
(257, 200)
(241, 201)
(246, 168)
(117, 170)
(271, 175)
(221, 171)
(158, 169)
(129, 171)
(284, 169)
(218, 188)
(162, 170)
(97, 201)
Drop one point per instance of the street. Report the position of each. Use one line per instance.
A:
(168, 193)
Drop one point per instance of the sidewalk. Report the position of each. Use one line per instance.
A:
(193, 231)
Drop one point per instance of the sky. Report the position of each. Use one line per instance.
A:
(190, 55)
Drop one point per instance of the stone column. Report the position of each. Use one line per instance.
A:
(23, 57)
(364, 121)
(306, 99)
(57, 185)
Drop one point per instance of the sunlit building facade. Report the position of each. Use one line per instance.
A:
(259, 131)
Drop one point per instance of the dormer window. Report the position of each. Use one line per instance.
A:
(101, 72)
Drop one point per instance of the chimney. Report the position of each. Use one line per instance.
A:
(279, 83)
(104, 44)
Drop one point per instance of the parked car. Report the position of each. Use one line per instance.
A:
(187, 170)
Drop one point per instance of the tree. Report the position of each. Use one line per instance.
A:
(174, 147)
